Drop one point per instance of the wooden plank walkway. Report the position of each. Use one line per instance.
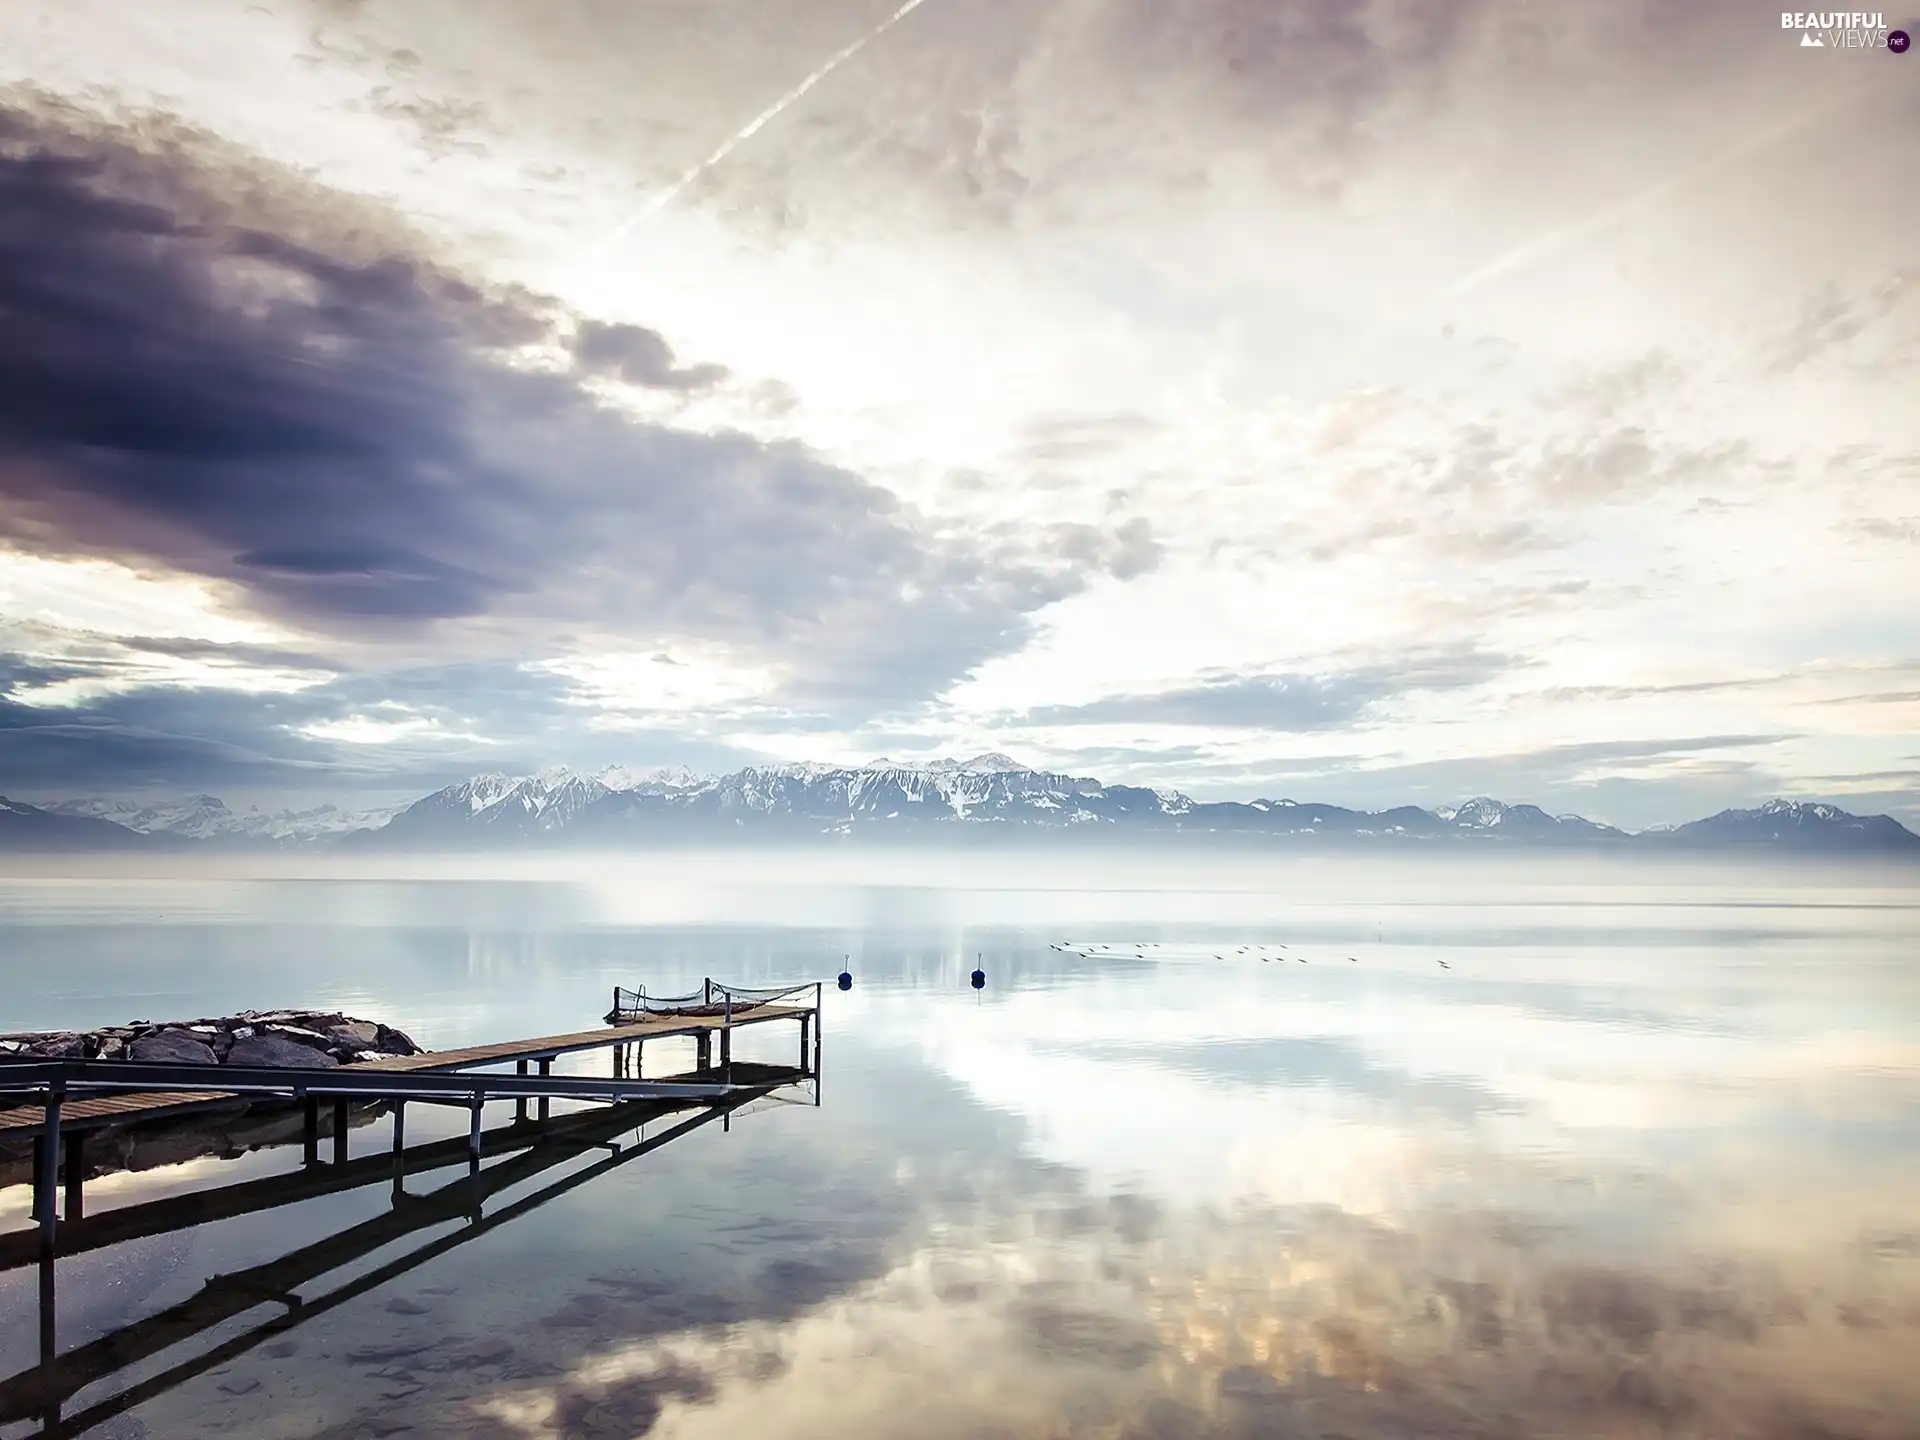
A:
(131, 1107)
(127, 1108)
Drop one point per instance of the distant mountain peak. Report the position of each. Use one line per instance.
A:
(985, 795)
(991, 762)
(621, 777)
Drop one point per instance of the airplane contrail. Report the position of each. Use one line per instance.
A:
(1552, 242)
(840, 57)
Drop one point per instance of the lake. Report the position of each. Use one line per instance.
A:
(1560, 1147)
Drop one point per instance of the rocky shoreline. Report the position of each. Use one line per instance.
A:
(255, 1037)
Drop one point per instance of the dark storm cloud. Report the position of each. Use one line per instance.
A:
(640, 357)
(344, 435)
(180, 736)
(1293, 703)
(157, 739)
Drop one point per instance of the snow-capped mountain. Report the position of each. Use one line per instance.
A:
(982, 797)
(1795, 825)
(662, 777)
(32, 829)
(498, 805)
(205, 817)
(1488, 816)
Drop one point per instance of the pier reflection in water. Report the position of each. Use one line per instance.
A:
(537, 1165)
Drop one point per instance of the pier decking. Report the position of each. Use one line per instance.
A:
(203, 1084)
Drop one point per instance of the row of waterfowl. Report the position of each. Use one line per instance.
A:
(1138, 950)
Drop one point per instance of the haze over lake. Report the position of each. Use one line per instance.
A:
(1640, 1159)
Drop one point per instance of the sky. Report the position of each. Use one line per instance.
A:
(1378, 403)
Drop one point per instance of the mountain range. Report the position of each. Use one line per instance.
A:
(986, 797)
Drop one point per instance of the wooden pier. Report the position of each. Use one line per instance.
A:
(66, 1098)
(476, 1203)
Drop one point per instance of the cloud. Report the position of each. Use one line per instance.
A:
(1286, 703)
(159, 739)
(639, 356)
(363, 444)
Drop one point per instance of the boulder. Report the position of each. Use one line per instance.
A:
(58, 1047)
(171, 1047)
(312, 1039)
(394, 1042)
(356, 1035)
(279, 1051)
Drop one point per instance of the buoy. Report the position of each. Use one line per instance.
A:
(846, 977)
(979, 977)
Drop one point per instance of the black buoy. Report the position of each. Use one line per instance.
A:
(846, 977)
(979, 976)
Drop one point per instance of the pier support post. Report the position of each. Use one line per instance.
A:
(520, 1104)
(49, 1339)
(310, 1134)
(340, 1131)
(546, 1068)
(76, 1173)
(399, 1148)
(639, 1060)
(804, 1046)
(703, 1050)
(46, 1170)
(473, 1134)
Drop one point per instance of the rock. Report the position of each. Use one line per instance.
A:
(401, 1305)
(113, 1048)
(490, 1351)
(356, 1035)
(384, 1425)
(312, 1039)
(277, 1050)
(240, 1385)
(396, 1042)
(58, 1047)
(171, 1047)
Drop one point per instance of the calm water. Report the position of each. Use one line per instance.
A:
(1642, 1158)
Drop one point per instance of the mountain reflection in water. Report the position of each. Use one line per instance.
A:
(1642, 1161)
